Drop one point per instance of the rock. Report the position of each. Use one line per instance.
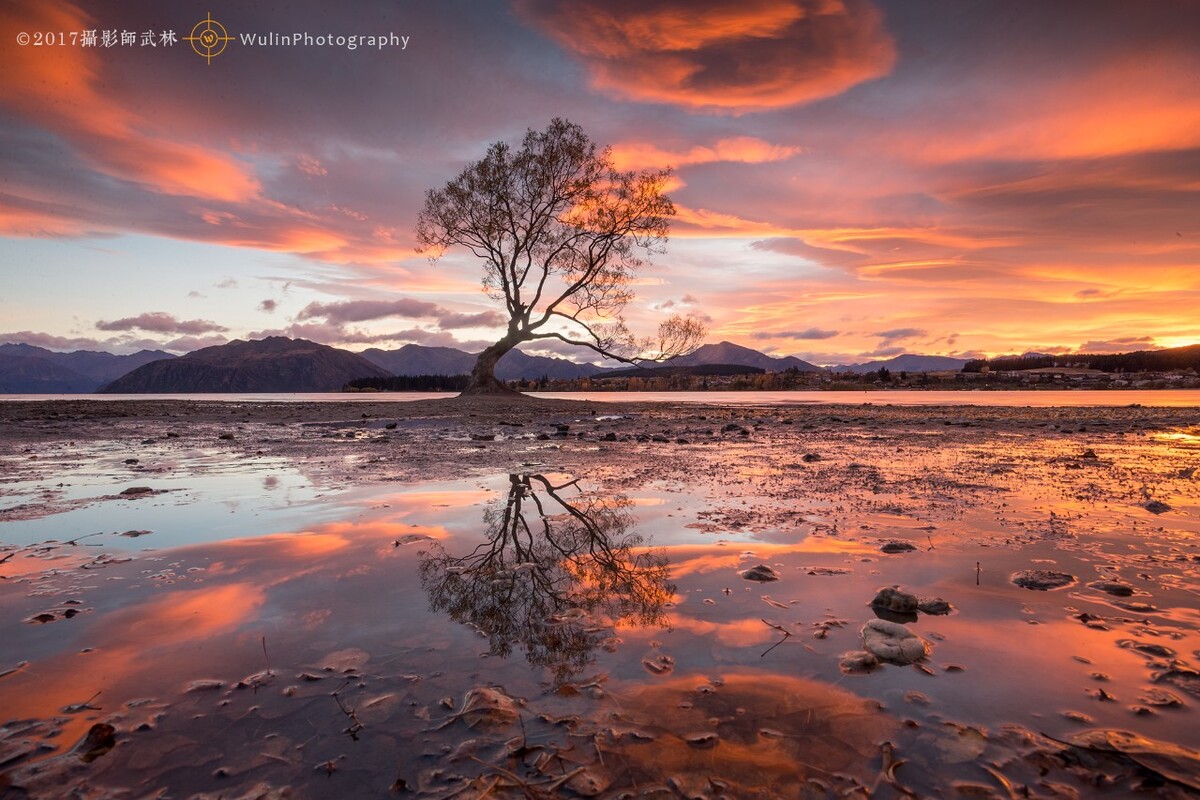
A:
(562, 428)
(226, 436)
(1115, 588)
(892, 599)
(1042, 579)
(1157, 507)
(893, 642)
(1147, 648)
(809, 458)
(483, 437)
(1173, 762)
(391, 426)
(542, 437)
(897, 547)
(134, 491)
(1181, 677)
(934, 605)
(488, 707)
(131, 461)
(1089, 455)
(857, 662)
(609, 437)
(761, 573)
(1161, 698)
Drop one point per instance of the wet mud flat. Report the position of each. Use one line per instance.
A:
(587, 600)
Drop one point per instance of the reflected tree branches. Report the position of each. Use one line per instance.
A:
(558, 570)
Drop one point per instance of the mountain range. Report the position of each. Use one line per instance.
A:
(730, 353)
(274, 364)
(905, 363)
(415, 359)
(279, 364)
(27, 369)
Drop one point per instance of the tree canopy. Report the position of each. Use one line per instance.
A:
(562, 234)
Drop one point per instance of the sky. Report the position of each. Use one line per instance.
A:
(854, 179)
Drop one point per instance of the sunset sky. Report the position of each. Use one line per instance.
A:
(854, 179)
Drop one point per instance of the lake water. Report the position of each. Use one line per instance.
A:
(263, 630)
(1175, 398)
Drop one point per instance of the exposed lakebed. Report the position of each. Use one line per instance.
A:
(582, 620)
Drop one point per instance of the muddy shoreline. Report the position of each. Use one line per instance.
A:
(959, 503)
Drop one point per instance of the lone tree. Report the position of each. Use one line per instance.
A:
(561, 233)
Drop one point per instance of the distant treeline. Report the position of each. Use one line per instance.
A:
(699, 370)
(409, 383)
(1175, 358)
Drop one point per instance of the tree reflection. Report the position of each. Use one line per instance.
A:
(553, 575)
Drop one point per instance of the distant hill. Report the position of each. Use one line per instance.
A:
(1171, 358)
(698, 371)
(80, 371)
(416, 359)
(28, 375)
(274, 364)
(730, 353)
(906, 363)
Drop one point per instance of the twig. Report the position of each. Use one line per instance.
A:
(353, 730)
(786, 634)
(265, 657)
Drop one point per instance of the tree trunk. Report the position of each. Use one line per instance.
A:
(483, 376)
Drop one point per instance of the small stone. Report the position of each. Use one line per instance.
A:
(1157, 507)
(934, 605)
(897, 547)
(761, 573)
(226, 436)
(892, 599)
(893, 642)
(1089, 455)
(809, 458)
(134, 491)
(1042, 579)
(858, 662)
(483, 437)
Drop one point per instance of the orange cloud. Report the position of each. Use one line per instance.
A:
(711, 55)
(1135, 103)
(61, 88)
(740, 149)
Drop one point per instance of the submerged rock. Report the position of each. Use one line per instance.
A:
(897, 547)
(893, 642)
(858, 662)
(1042, 579)
(488, 707)
(892, 599)
(1115, 588)
(1171, 761)
(934, 605)
(761, 573)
